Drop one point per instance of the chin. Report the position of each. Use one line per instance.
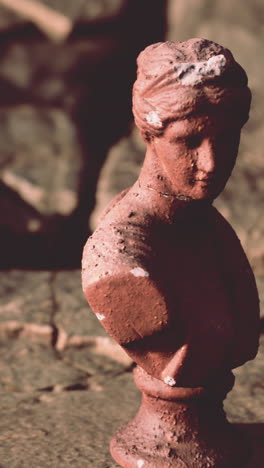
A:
(208, 193)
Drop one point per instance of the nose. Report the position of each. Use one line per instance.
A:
(206, 156)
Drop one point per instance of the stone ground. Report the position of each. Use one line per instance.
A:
(65, 386)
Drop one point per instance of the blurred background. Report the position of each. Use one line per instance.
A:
(67, 139)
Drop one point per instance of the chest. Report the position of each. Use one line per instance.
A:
(190, 265)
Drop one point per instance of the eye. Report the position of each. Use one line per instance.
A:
(194, 141)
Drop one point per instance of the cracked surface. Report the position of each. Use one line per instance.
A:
(59, 373)
(66, 387)
(44, 321)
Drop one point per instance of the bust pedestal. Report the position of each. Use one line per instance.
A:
(180, 428)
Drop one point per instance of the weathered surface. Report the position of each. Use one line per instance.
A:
(248, 382)
(245, 405)
(59, 408)
(35, 307)
(69, 297)
(62, 429)
(26, 297)
(27, 367)
(54, 390)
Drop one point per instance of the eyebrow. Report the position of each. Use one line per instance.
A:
(181, 133)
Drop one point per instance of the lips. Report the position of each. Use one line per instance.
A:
(206, 179)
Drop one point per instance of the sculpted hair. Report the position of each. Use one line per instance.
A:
(176, 79)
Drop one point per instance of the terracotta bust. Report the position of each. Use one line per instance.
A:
(164, 271)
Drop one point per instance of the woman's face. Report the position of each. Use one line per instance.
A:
(197, 154)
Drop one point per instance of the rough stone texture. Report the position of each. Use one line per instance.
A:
(63, 429)
(59, 408)
(33, 366)
(245, 404)
(49, 395)
(248, 382)
(26, 297)
(69, 296)
(49, 308)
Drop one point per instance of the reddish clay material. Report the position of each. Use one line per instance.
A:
(166, 274)
(188, 428)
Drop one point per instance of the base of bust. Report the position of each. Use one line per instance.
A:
(180, 428)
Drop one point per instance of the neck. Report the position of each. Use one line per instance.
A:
(157, 194)
(152, 175)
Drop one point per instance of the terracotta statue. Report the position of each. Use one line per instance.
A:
(166, 274)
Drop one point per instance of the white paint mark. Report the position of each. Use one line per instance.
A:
(90, 276)
(153, 119)
(190, 74)
(138, 271)
(140, 463)
(170, 381)
(100, 316)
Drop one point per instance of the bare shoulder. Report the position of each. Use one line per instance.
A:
(120, 242)
(113, 203)
(118, 278)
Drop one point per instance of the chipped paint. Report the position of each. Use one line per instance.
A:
(100, 316)
(153, 119)
(140, 463)
(90, 276)
(190, 74)
(138, 271)
(170, 381)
